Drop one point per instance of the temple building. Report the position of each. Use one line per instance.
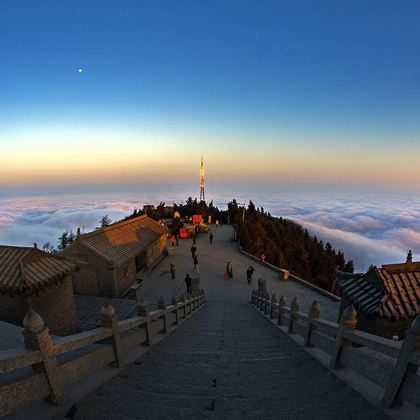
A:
(110, 260)
(387, 299)
(31, 277)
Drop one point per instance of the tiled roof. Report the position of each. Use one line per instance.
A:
(121, 241)
(27, 270)
(392, 291)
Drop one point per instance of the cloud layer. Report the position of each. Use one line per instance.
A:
(369, 229)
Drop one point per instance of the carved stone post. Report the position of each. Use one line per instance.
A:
(162, 307)
(204, 296)
(194, 299)
(348, 321)
(282, 303)
(184, 305)
(37, 337)
(314, 312)
(174, 302)
(403, 370)
(273, 305)
(189, 303)
(294, 307)
(267, 303)
(110, 320)
(144, 311)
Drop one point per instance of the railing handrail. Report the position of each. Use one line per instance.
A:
(395, 371)
(42, 349)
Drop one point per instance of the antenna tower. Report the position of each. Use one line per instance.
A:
(202, 196)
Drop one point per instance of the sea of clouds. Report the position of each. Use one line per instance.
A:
(370, 229)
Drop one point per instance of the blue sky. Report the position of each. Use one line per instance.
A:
(260, 81)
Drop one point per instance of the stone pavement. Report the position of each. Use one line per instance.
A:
(212, 263)
(226, 362)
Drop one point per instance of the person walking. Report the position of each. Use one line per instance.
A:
(193, 251)
(196, 264)
(172, 269)
(188, 283)
(194, 238)
(229, 270)
(172, 240)
(249, 272)
(262, 259)
(211, 237)
(177, 239)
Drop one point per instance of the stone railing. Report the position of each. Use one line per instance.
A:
(390, 364)
(58, 362)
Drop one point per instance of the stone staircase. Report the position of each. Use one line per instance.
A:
(229, 363)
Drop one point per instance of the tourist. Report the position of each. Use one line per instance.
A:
(172, 269)
(211, 237)
(249, 272)
(172, 240)
(229, 270)
(177, 239)
(188, 283)
(194, 238)
(196, 264)
(262, 259)
(193, 251)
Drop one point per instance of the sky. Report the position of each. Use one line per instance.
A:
(270, 92)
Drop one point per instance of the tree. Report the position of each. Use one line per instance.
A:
(47, 247)
(105, 221)
(349, 266)
(63, 241)
(71, 237)
(78, 232)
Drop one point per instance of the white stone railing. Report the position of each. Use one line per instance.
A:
(390, 364)
(101, 347)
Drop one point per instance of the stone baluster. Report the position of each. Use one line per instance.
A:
(282, 304)
(294, 307)
(273, 305)
(403, 370)
(203, 296)
(144, 312)
(194, 300)
(267, 303)
(174, 302)
(314, 313)
(348, 321)
(259, 299)
(162, 307)
(189, 303)
(37, 337)
(184, 305)
(110, 320)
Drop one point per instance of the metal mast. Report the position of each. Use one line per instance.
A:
(202, 196)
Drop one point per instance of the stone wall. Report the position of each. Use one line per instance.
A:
(57, 307)
(155, 250)
(12, 309)
(93, 275)
(125, 277)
